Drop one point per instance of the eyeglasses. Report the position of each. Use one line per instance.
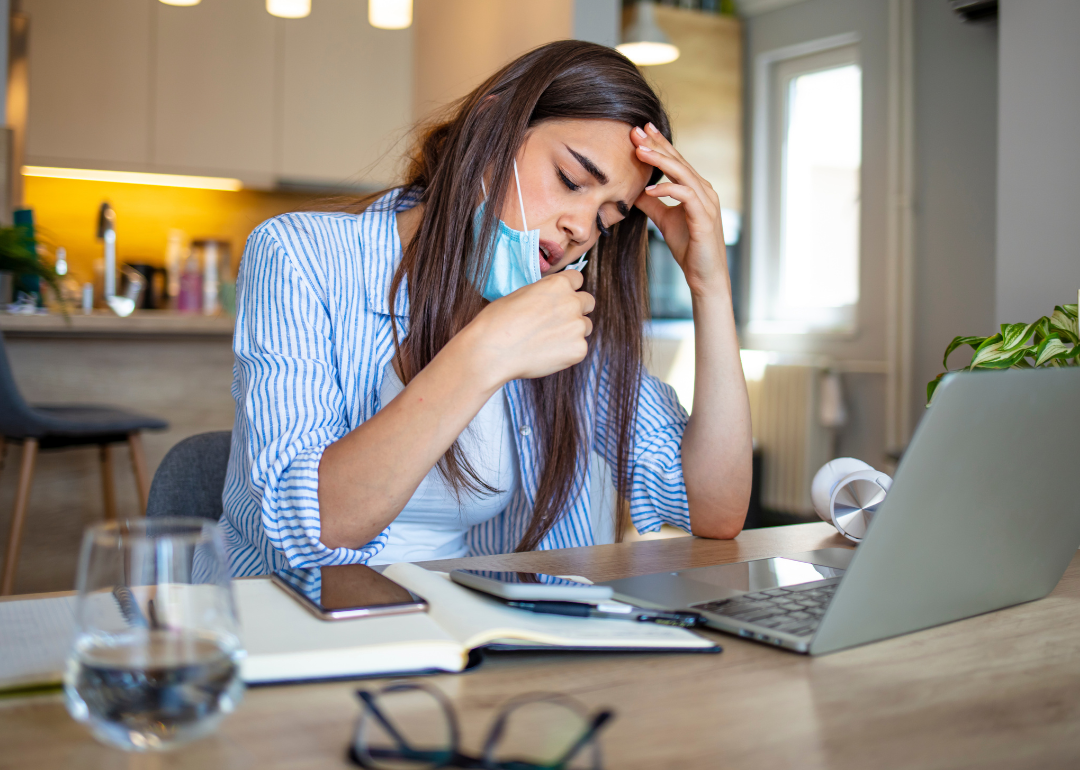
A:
(408, 726)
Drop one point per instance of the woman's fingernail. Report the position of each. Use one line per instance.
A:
(652, 128)
(643, 148)
(639, 132)
(651, 187)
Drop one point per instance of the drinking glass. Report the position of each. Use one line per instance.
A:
(155, 662)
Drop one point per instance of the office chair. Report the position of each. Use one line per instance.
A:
(191, 478)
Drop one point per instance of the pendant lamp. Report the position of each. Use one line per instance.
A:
(181, 2)
(644, 43)
(289, 9)
(390, 14)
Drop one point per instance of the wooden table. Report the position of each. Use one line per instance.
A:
(996, 691)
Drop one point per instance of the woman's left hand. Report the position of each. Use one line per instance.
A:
(692, 229)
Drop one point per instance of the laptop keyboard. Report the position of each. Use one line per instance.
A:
(792, 610)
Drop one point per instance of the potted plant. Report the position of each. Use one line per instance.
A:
(1053, 340)
(18, 258)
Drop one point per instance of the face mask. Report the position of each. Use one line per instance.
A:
(513, 254)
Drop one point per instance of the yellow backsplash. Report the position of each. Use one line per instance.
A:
(66, 211)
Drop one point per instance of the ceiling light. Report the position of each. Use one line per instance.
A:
(134, 177)
(181, 2)
(289, 9)
(644, 43)
(389, 14)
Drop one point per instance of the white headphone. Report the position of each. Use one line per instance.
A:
(847, 493)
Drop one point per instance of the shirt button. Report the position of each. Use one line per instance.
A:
(525, 430)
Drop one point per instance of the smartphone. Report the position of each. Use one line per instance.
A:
(531, 586)
(347, 591)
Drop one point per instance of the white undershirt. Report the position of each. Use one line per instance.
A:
(433, 524)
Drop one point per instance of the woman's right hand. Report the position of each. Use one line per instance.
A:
(538, 330)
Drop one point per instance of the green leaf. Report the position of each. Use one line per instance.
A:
(1051, 349)
(990, 342)
(1064, 323)
(993, 355)
(957, 342)
(931, 387)
(1015, 335)
(1042, 330)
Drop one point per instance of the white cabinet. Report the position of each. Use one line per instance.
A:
(346, 96)
(90, 83)
(214, 89)
(219, 89)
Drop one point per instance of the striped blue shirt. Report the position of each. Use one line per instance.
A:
(312, 341)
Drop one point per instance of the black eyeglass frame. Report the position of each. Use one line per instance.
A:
(453, 757)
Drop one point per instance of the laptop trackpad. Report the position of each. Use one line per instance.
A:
(666, 590)
(703, 584)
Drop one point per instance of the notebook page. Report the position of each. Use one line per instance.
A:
(35, 638)
(285, 642)
(476, 620)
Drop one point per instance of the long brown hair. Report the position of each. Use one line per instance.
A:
(477, 136)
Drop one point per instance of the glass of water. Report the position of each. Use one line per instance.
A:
(155, 662)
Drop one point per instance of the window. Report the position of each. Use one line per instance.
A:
(806, 264)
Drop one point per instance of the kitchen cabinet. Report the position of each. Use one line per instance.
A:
(218, 89)
(214, 90)
(90, 83)
(346, 97)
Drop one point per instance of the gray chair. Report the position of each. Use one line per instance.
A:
(191, 478)
(47, 427)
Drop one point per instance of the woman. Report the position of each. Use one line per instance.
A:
(409, 387)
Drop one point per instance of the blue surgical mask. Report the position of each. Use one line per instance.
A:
(513, 254)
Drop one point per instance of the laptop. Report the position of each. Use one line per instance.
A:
(984, 513)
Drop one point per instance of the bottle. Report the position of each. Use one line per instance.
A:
(210, 264)
(174, 265)
(70, 289)
(191, 286)
(87, 298)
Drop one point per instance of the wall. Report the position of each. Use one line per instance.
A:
(702, 91)
(955, 186)
(458, 43)
(597, 21)
(1038, 227)
(66, 212)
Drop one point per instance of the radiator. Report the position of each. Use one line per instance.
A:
(786, 410)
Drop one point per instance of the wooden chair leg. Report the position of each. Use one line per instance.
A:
(108, 489)
(138, 464)
(18, 516)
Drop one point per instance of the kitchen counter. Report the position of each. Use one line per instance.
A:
(102, 324)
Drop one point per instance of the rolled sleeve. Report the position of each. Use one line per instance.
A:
(657, 488)
(290, 405)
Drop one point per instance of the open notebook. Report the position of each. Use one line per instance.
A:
(286, 643)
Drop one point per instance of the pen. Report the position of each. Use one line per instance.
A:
(611, 610)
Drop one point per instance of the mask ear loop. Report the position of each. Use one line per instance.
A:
(521, 201)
